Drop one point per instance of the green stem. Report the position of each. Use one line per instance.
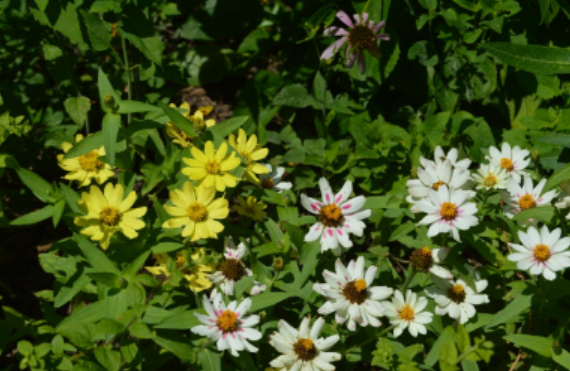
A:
(411, 274)
(369, 340)
(562, 221)
(128, 72)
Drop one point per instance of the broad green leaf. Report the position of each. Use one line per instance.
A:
(151, 46)
(80, 334)
(57, 345)
(210, 361)
(25, 347)
(242, 285)
(563, 359)
(109, 326)
(95, 256)
(89, 314)
(462, 339)
(542, 213)
(402, 230)
(515, 307)
(180, 121)
(433, 355)
(558, 177)
(177, 345)
(274, 231)
(110, 359)
(107, 279)
(183, 320)
(229, 126)
(556, 139)
(70, 289)
(36, 184)
(267, 299)
(105, 88)
(295, 95)
(68, 24)
(34, 217)
(111, 126)
(87, 145)
(98, 31)
(77, 109)
(532, 58)
(136, 265)
(51, 52)
(538, 344)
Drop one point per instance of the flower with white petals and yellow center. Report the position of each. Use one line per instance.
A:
(86, 167)
(407, 313)
(338, 217)
(273, 180)
(211, 168)
(303, 349)
(251, 207)
(228, 325)
(252, 152)
(351, 296)
(520, 198)
(452, 157)
(541, 253)
(426, 260)
(196, 210)
(107, 213)
(490, 177)
(512, 160)
(180, 137)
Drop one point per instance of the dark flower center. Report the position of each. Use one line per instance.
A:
(422, 259)
(331, 216)
(361, 37)
(305, 349)
(355, 291)
(232, 269)
(457, 293)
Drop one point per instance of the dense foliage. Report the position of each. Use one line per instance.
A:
(284, 185)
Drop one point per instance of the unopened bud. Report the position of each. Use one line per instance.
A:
(556, 348)
(422, 259)
(534, 155)
(414, 172)
(109, 101)
(278, 264)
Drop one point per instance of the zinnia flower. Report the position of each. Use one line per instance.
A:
(196, 211)
(85, 167)
(180, 137)
(519, 198)
(491, 176)
(252, 152)
(360, 35)
(252, 208)
(211, 168)
(272, 180)
(426, 260)
(514, 160)
(451, 156)
(108, 213)
(408, 313)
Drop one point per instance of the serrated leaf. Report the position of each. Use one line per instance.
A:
(77, 109)
(99, 34)
(68, 24)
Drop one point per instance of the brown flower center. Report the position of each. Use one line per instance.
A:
(361, 37)
(227, 321)
(436, 186)
(448, 211)
(232, 269)
(407, 313)
(456, 293)
(355, 291)
(422, 259)
(305, 349)
(110, 216)
(212, 167)
(331, 216)
(507, 164)
(490, 180)
(526, 202)
(267, 183)
(90, 161)
(197, 212)
(180, 260)
(541, 253)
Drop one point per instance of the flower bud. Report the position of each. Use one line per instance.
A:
(109, 101)
(422, 259)
(278, 264)
(535, 156)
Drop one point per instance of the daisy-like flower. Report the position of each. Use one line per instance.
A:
(338, 217)
(196, 274)
(211, 168)
(491, 176)
(107, 213)
(543, 253)
(448, 211)
(408, 313)
(433, 177)
(180, 137)
(232, 269)
(251, 208)
(228, 326)
(456, 298)
(85, 167)
(303, 349)
(519, 198)
(252, 152)
(196, 211)
(514, 160)
(452, 156)
(351, 296)
(272, 180)
(426, 260)
(361, 35)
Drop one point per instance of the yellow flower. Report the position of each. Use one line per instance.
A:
(180, 137)
(211, 168)
(196, 211)
(85, 167)
(107, 213)
(252, 152)
(252, 208)
(196, 275)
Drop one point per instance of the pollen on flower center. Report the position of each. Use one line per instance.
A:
(507, 164)
(197, 212)
(90, 161)
(490, 180)
(267, 183)
(232, 269)
(355, 291)
(305, 349)
(527, 202)
(212, 167)
(448, 211)
(457, 293)
(407, 313)
(110, 216)
(541, 253)
(422, 259)
(227, 321)
(331, 215)
(361, 37)
(436, 186)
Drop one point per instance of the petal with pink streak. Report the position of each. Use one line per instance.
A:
(332, 49)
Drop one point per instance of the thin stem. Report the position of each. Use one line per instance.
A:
(369, 340)
(411, 274)
(562, 221)
(128, 72)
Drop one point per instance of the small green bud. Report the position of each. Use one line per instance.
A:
(535, 156)
(109, 101)
(278, 264)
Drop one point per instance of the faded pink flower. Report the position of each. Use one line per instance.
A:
(361, 35)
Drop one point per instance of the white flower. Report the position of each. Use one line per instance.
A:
(433, 177)
(350, 294)
(543, 253)
(456, 298)
(514, 160)
(303, 350)
(563, 202)
(491, 176)
(232, 270)
(426, 260)
(407, 313)
(228, 326)
(519, 198)
(440, 156)
(338, 217)
(272, 180)
(448, 211)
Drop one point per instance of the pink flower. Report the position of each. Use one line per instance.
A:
(360, 36)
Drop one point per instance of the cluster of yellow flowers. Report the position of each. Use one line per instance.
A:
(194, 208)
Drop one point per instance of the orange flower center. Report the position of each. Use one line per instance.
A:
(407, 313)
(448, 211)
(197, 212)
(541, 252)
(437, 185)
(331, 215)
(227, 321)
(490, 180)
(507, 164)
(457, 293)
(526, 202)
(305, 349)
(267, 183)
(90, 161)
(110, 216)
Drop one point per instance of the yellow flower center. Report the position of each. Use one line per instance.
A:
(422, 259)
(361, 37)
(212, 167)
(90, 161)
(267, 183)
(448, 211)
(457, 293)
(437, 185)
(526, 202)
(407, 313)
(110, 216)
(305, 349)
(197, 212)
(331, 215)
(246, 155)
(507, 164)
(232, 269)
(227, 321)
(541, 252)
(180, 260)
(355, 291)
(490, 180)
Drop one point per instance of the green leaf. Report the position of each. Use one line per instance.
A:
(295, 95)
(95, 256)
(77, 109)
(132, 106)
(136, 265)
(447, 334)
(51, 52)
(110, 359)
(70, 289)
(25, 347)
(448, 356)
(229, 126)
(36, 184)
(242, 285)
(166, 247)
(267, 299)
(109, 326)
(151, 46)
(34, 217)
(105, 88)
(107, 279)
(71, 198)
(68, 24)
(563, 359)
(98, 31)
(111, 126)
(542, 213)
(402, 230)
(516, 306)
(87, 145)
(462, 338)
(274, 231)
(79, 333)
(538, 344)
(89, 314)
(556, 139)
(58, 209)
(57, 345)
(180, 121)
(560, 176)
(177, 345)
(532, 58)
(210, 361)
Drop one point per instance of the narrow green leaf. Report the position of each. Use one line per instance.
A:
(136, 265)
(563, 359)
(71, 198)
(105, 88)
(87, 145)
(267, 299)
(543, 213)
(70, 289)
(110, 359)
(58, 209)
(538, 344)
(95, 256)
(132, 106)
(107, 279)
(111, 126)
(447, 334)
(210, 361)
(34, 217)
(177, 345)
(532, 58)
(36, 184)
(180, 121)
(166, 247)
(516, 306)
(560, 176)
(229, 126)
(89, 314)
